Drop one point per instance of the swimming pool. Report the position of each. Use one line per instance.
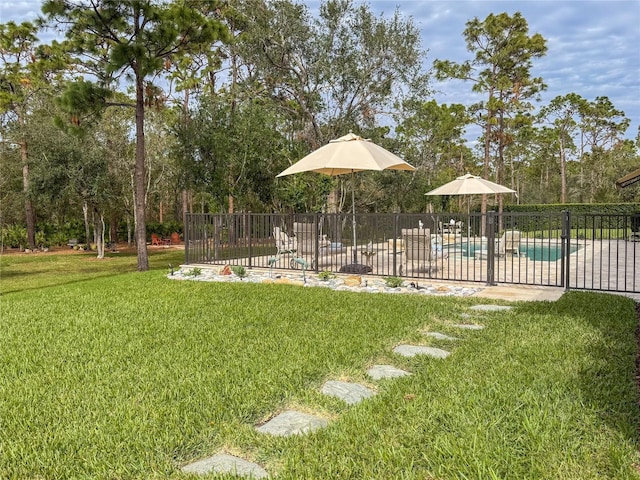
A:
(538, 252)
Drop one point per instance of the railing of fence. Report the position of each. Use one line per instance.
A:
(589, 251)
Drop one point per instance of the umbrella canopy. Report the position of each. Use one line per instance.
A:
(470, 185)
(348, 154)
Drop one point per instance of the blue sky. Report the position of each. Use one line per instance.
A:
(593, 45)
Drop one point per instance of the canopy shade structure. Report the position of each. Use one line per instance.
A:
(348, 154)
(470, 185)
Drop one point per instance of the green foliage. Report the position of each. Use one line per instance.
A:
(239, 271)
(393, 282)
(164, 229)
(194, 272)
(14, 236)
(326, 275)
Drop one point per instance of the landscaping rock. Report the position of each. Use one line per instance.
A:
(351, 393)
(378, 372)
(223, 463)
(292, 422)
(413, 350)
(353, 281)
(291, 277)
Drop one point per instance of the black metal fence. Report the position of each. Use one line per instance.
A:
(588, 251)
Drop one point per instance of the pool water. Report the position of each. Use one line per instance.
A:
(545, 253)
(535, 252)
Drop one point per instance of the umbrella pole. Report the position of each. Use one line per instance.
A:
(353, 207)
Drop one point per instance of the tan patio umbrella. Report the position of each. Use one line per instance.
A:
(348, 154)
(470, 185)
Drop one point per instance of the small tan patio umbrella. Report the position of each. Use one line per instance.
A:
(348, 154)
(470, 185)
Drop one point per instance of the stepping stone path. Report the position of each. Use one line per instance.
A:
(292, 422)
(351, 393)
(440, 336)
(223, 463)
(378, 372)
(413, 350)
(491, 308)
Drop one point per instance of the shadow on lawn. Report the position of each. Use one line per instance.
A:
(609, 380)
(29, 273)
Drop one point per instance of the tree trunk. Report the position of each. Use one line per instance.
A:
(139, 174)
(563, 173)
(99, 234)
(28, 206)
(87, 229)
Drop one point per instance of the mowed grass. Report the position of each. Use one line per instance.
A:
(110, 373)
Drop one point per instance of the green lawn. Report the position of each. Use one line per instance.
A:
(113, 374)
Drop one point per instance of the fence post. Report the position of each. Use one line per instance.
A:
(316, 229)
(187, 232)
(565, 249)
(491, 247)
(249, 228)
(395, 236)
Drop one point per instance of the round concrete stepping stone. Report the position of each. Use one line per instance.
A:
(468, 326)
(292, 422)
(378, 372)
(223, 463)
(441, 336)
(491, 308)
(351, 393)
(413, 350)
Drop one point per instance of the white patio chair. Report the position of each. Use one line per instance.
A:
(284, 243)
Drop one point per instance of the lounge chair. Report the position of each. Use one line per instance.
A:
(307, 240)
(417, 248)
(509, 243)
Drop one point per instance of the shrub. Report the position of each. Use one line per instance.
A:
(393, 282)
(14, 236)
(239, 270)
(194, 272)
(325, 276)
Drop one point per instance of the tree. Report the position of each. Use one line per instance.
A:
(114, 37)
(500, 70)
(25, 69)
(343, 71)
(431, 137)
(563, 113)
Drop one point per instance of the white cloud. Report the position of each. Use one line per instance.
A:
(592, 44)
